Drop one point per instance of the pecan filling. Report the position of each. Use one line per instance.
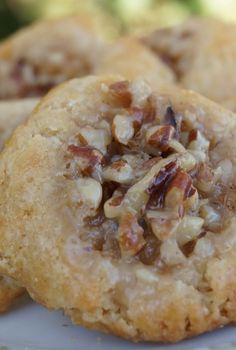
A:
(147, 180)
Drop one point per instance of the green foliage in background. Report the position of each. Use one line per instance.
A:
(9, 21)
(114, 17)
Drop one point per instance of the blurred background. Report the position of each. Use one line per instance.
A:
(113, 17)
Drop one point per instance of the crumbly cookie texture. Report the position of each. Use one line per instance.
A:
(133, 60)
(11, 115)
(201, 52)
(118, 206)
(230, 103)
(10, 291)
(46, 53)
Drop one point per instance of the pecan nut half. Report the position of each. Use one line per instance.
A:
(130, 233)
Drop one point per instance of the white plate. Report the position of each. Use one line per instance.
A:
(31, 327)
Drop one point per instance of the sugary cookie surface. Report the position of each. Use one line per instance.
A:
(119, 208)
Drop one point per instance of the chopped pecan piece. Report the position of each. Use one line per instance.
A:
(149, 111)
(121, 93)
(159, 136)
(171, 253)
(96, 220)
(199, 156)
(141, 92)
(123, 128)
(162, 224)
(158, 186)
(212, 218)
(192, 136)
(151, 250)
(119, 171)
(97, 138)
(130, 234)
(189, 229)
(90, 191)
(150, 191)
(181, 192)
(113, 205)
(206, 177)
(187, 162)
(150, 162)
(204, 247)
(197, 142)
(137, 116)
(176, 146)
(165, 225)
(89, 160)
(170, 118)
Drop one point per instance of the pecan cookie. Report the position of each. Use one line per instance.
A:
(131, 59)
(45, 54)
(11, 114)
(230, 103)
(118, 206)
(202, 53)
(9, 292)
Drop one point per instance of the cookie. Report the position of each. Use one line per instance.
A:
(230, 103)
(131, 59)
(118, 206)
(202, 53)
(45, 54)
(10, 291)
(11, 114)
